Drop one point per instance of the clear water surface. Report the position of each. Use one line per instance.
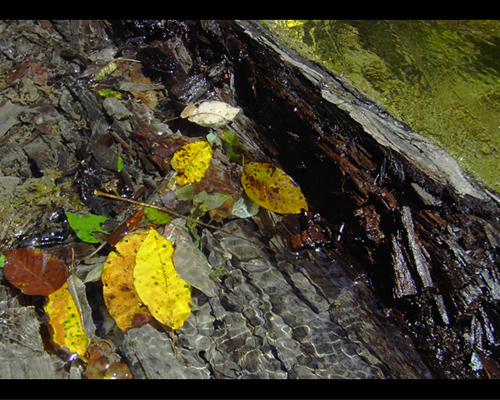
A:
(442, 78)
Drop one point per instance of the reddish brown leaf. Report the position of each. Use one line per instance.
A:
(34, 272)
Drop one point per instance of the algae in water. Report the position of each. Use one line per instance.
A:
(439, 77)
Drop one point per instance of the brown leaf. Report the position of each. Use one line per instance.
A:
(34, 272)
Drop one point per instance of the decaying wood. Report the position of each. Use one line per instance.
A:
(348, 156)
(360, 167)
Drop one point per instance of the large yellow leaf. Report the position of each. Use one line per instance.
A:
(120, 296)
(192, 161)
(167, 296)
(272, 189)
(65, 321)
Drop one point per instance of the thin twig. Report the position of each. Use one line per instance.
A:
(167, 210)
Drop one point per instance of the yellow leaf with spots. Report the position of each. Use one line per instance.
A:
(167, 296)
(192, 161)
(65, 322)
(120, 296)
(272, 189)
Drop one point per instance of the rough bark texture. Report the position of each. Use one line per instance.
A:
(393, 273)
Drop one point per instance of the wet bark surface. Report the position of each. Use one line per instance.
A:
(392, 273)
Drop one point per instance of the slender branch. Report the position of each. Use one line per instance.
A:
(167, 210)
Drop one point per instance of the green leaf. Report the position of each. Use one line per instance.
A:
(233, 147)
(2, 261)
(84, 225)
(157, 216)
(109, 93)
(185, 192)
(119, 165)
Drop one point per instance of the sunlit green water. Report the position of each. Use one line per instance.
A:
(442, 78)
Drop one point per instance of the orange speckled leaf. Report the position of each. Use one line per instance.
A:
(120, 295)
(65, 322)
(272, 189)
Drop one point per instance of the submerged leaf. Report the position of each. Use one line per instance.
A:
(245, 207)
(120, 296)
(161, 289)
(272, 189)
(84, 225)
(192, 161)
(211, 114)
(192, 266)
(34, 272)
(211, 201)
(65, 322)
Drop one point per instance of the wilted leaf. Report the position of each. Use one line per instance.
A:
(120, 295)
(244, 207)
(272, 189)
(34, 272)
(223, 211)
(65, 322)
(167, 296)
(192, 161)
(211, 114)
(84, 225)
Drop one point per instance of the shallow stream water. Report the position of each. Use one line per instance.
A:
(439, 77)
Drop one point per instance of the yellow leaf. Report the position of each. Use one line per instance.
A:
(65, 321)
(167, 296)
(120, 296)
(192, 161)
(272, 189)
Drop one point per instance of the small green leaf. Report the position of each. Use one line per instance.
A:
(119, 165)
(157, 216)
(233, 147)
(84, 225)
(109, 93)
(2, 261)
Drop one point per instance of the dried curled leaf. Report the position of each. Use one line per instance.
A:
(192, 161)
(65, 322)
(167, 296)
(120, 296)
(272, 189)
(211, 114)
(34, 272)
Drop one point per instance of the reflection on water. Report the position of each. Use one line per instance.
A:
(442, 78)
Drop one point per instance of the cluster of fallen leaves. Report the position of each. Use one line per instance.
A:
(151, 272)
